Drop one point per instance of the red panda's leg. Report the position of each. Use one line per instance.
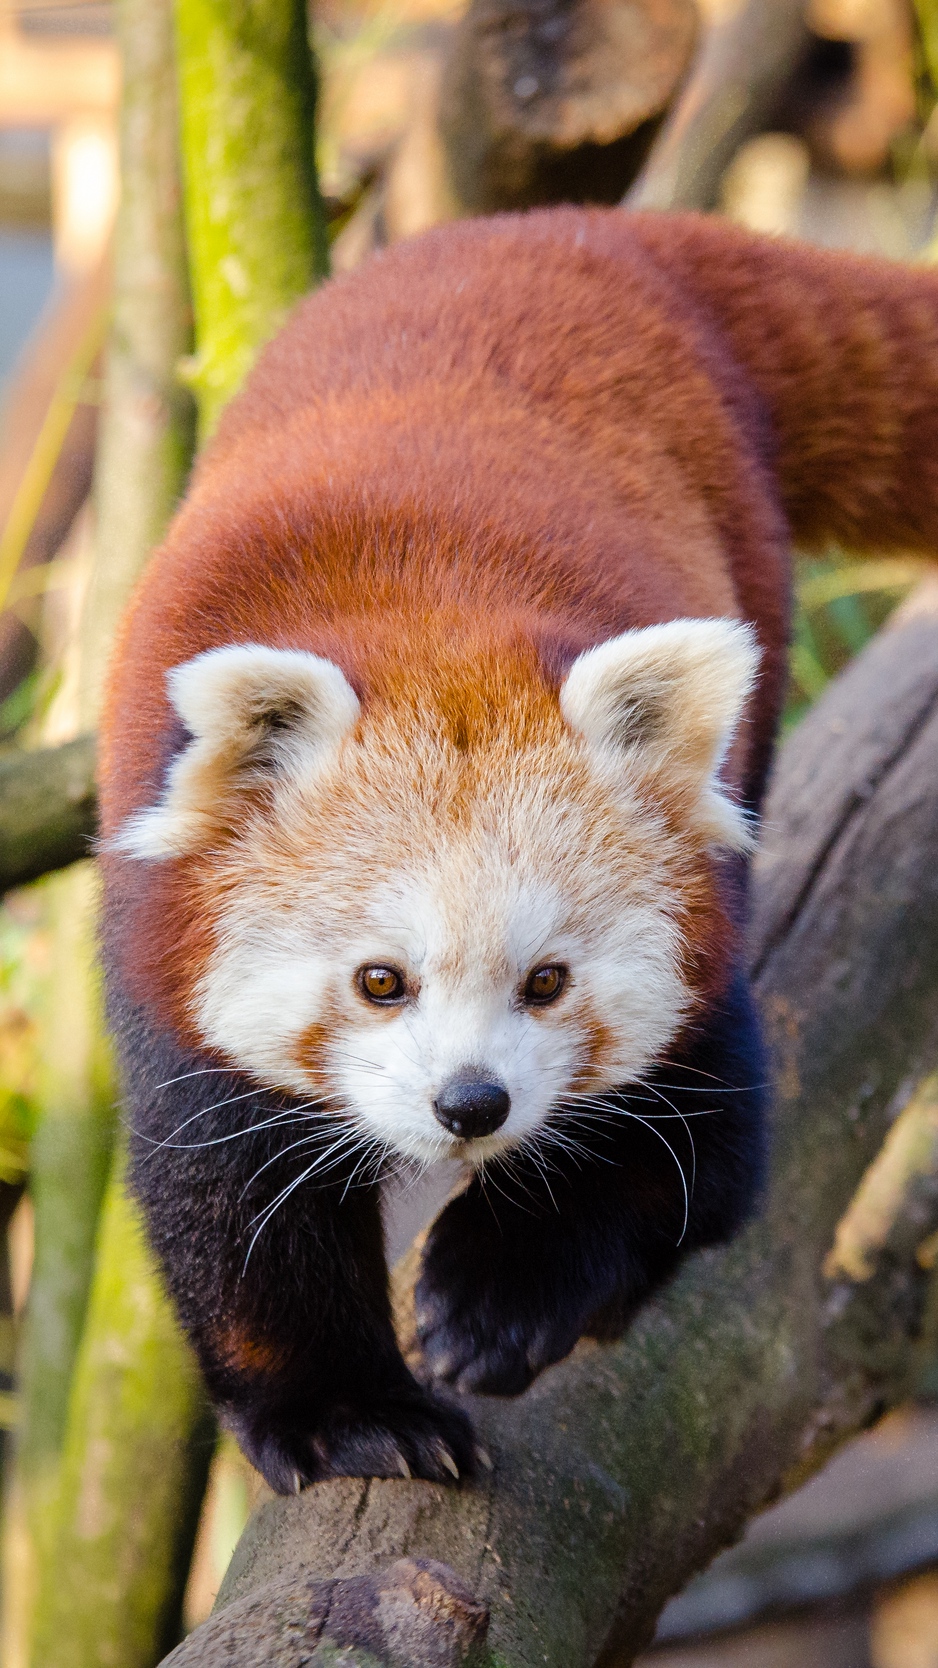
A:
(573, 1238)
(285, 1302)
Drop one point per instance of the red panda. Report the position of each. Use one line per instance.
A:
(433, 751)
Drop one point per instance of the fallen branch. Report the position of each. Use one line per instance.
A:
(626, 1468)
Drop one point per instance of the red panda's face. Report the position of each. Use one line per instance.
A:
(450, 942)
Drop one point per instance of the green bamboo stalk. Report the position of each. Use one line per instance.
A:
(136, 1441)
(256, 229)
(139, 1439)
(70, 1158)
(135, 1374)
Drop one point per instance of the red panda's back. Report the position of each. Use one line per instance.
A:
(505, 426)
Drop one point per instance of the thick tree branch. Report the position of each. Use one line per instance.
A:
(627, 1467)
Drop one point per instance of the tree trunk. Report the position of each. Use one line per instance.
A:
(627, 1467)
(139, 1439)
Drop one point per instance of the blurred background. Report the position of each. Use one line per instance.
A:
(427, 110)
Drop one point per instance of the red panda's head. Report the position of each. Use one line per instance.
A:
(451, 914)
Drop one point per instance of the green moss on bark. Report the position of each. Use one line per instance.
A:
(253, 213)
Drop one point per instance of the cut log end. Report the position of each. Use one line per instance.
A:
(416, 1613)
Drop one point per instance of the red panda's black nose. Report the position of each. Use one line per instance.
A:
(470, 1105)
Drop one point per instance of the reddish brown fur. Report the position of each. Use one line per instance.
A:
(507, 441)
(246, 1353)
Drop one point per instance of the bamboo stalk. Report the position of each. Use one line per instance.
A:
(139, 1439)
(254, 217)
(148, 419)
(134, 1382)
(69, 1161)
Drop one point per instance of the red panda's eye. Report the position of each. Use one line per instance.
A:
(544, 984)
(381, 984)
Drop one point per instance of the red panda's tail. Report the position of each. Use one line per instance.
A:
(844, 351)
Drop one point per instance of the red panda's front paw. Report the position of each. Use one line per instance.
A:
(482, 1342)
(412, 1436)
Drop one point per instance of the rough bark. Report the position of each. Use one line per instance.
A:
(558, 100)
(627, 1467)
(414, 1614)
(47, 810)
(742, 72)
(254, 217)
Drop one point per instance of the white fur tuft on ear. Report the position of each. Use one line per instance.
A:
(253, 712)
(667, 699)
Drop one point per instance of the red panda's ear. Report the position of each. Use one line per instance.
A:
(253, 713)
(665, 700)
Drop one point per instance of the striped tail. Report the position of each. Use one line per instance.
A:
(844, 352)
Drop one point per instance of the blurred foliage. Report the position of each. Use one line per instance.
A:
(23, 959)
(838, 604)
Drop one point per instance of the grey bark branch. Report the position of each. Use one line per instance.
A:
(743, 68)
(627, 1467)
(48, 810)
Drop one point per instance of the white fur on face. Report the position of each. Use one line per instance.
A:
(471, 963)
(463, 871)
(246, 706)
(465, 926)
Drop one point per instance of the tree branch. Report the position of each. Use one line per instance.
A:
(627, 1467)
(47, 810)
(742, 71)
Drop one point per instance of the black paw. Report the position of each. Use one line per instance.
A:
(487, 1327)
(413, 1435)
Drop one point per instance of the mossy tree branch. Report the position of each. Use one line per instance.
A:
(626, 1468)
(47, 810)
